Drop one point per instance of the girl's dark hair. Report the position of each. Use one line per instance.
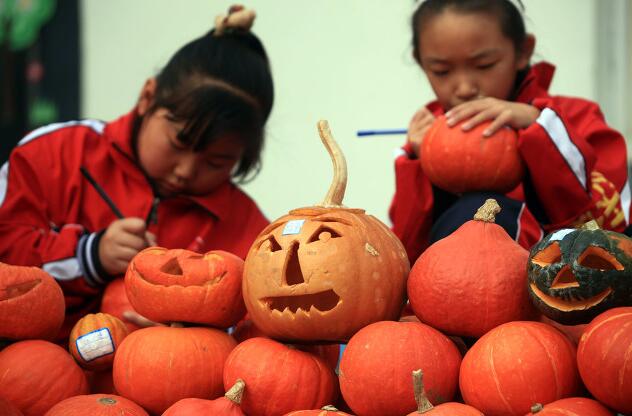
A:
(219, 85)
(509, 17)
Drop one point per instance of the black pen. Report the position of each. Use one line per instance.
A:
(101, 192)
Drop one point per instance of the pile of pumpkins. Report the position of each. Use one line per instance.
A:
(478, 326)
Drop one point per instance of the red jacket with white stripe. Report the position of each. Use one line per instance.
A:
(577, 170)
(51, 216)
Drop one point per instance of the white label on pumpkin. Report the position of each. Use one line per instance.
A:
(293, 227)
(560, 234)
(95, 344)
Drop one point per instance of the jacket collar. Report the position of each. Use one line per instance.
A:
(119, 134)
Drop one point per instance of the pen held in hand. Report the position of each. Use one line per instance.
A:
(381, 132)
(101, 192)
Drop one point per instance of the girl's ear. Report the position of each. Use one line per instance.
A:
(146, 97)
(528, 46)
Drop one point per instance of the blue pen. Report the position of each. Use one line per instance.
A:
(381, 132)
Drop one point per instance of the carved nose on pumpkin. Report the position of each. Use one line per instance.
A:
(564, 279)
(293, 274)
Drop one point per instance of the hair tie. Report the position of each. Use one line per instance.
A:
(238, 19)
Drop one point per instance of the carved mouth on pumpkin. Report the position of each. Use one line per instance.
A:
(18, 289)
(321, 301)
(562, 305)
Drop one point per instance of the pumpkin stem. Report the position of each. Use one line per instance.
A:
(339, 183)
(235, 393)
(329, 408)
(537, 408)
(591, 225)
(488, 211)
(423, 404)
(176, 325)
(107, 401)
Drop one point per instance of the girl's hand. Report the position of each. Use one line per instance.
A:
(502, 113)
(122, 240)
(418, 127)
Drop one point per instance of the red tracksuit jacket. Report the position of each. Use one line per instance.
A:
(50, 215)
(577, 170)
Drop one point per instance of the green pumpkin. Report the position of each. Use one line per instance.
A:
(575, 274)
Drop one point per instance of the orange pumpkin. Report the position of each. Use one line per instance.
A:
(7, 409)
(157, 366)
(31, 303)
(321, 273)
(324, 411)
(96, 405)
(424, 407)
(604, 358)
(35, 375)
(183, 286)
(94, 340)
(569, 407)
(116, 303)
(279, 379)
(228, 405)
(463, 161)
(472, 280)
(516, 365)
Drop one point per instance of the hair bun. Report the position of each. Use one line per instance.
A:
(238, 18)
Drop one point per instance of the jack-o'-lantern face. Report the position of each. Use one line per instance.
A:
(322, 274)
(574, 274)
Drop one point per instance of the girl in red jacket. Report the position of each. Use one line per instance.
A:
(167, 166)
(476, 56)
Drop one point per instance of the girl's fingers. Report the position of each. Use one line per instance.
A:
(478, 118)
(497, 124)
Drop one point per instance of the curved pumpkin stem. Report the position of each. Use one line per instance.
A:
(536, 408)
(488, 211)
(329, 408)
(591, 225)
(235, 393)
(423, 404)
(339, 183)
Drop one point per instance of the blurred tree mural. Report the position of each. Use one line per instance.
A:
(39, 66)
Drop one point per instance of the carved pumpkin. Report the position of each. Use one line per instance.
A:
(157, 366)
(278, 378)
(464, 161)
(183, 286)
(321, 273)
(228, 405)
(424, 407)
(96, 405)
(604, 360)
(116, 303)
(94, 340)
(31, 303)
(324, 411)
(376, 365)
(575, 274)
(35, 375)
(516, 365)
(571, 406)
(472, 280)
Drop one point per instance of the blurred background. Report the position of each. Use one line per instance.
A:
(345, 61)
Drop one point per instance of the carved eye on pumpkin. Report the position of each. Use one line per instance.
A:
(270, 244)
(323, 234)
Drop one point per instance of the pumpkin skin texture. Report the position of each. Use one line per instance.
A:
(229, 405)
(575, 274)
(464, 161)
(32, 304)
(321, 273)
(183, 286)
(325, 411)
(279, 379)
(36, 388)
(157, 366)
(94, 340)
(115, 302)
(376, 366)
(516, 365)
(603, 358)
(472, 280)
(7, 409)
(571, 406)
(96, 405)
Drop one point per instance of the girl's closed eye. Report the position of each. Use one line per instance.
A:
(487, 65)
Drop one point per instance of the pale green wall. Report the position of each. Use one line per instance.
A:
(346, 61)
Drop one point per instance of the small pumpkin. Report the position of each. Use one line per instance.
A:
(157, 366)
(464, 161)
(516, 365)
(96, 405)
(180, 285)
(323, 411)
(472, 280)
(603, 358)
(115, 302)
(323, 272)
(32, 304)
(279, 379)
(228, 405)
(570, 406)
(424, 407)
(94, 340)
(575, 274)
(35, 375)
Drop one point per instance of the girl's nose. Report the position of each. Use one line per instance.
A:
(466, 89)
(185, 167)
